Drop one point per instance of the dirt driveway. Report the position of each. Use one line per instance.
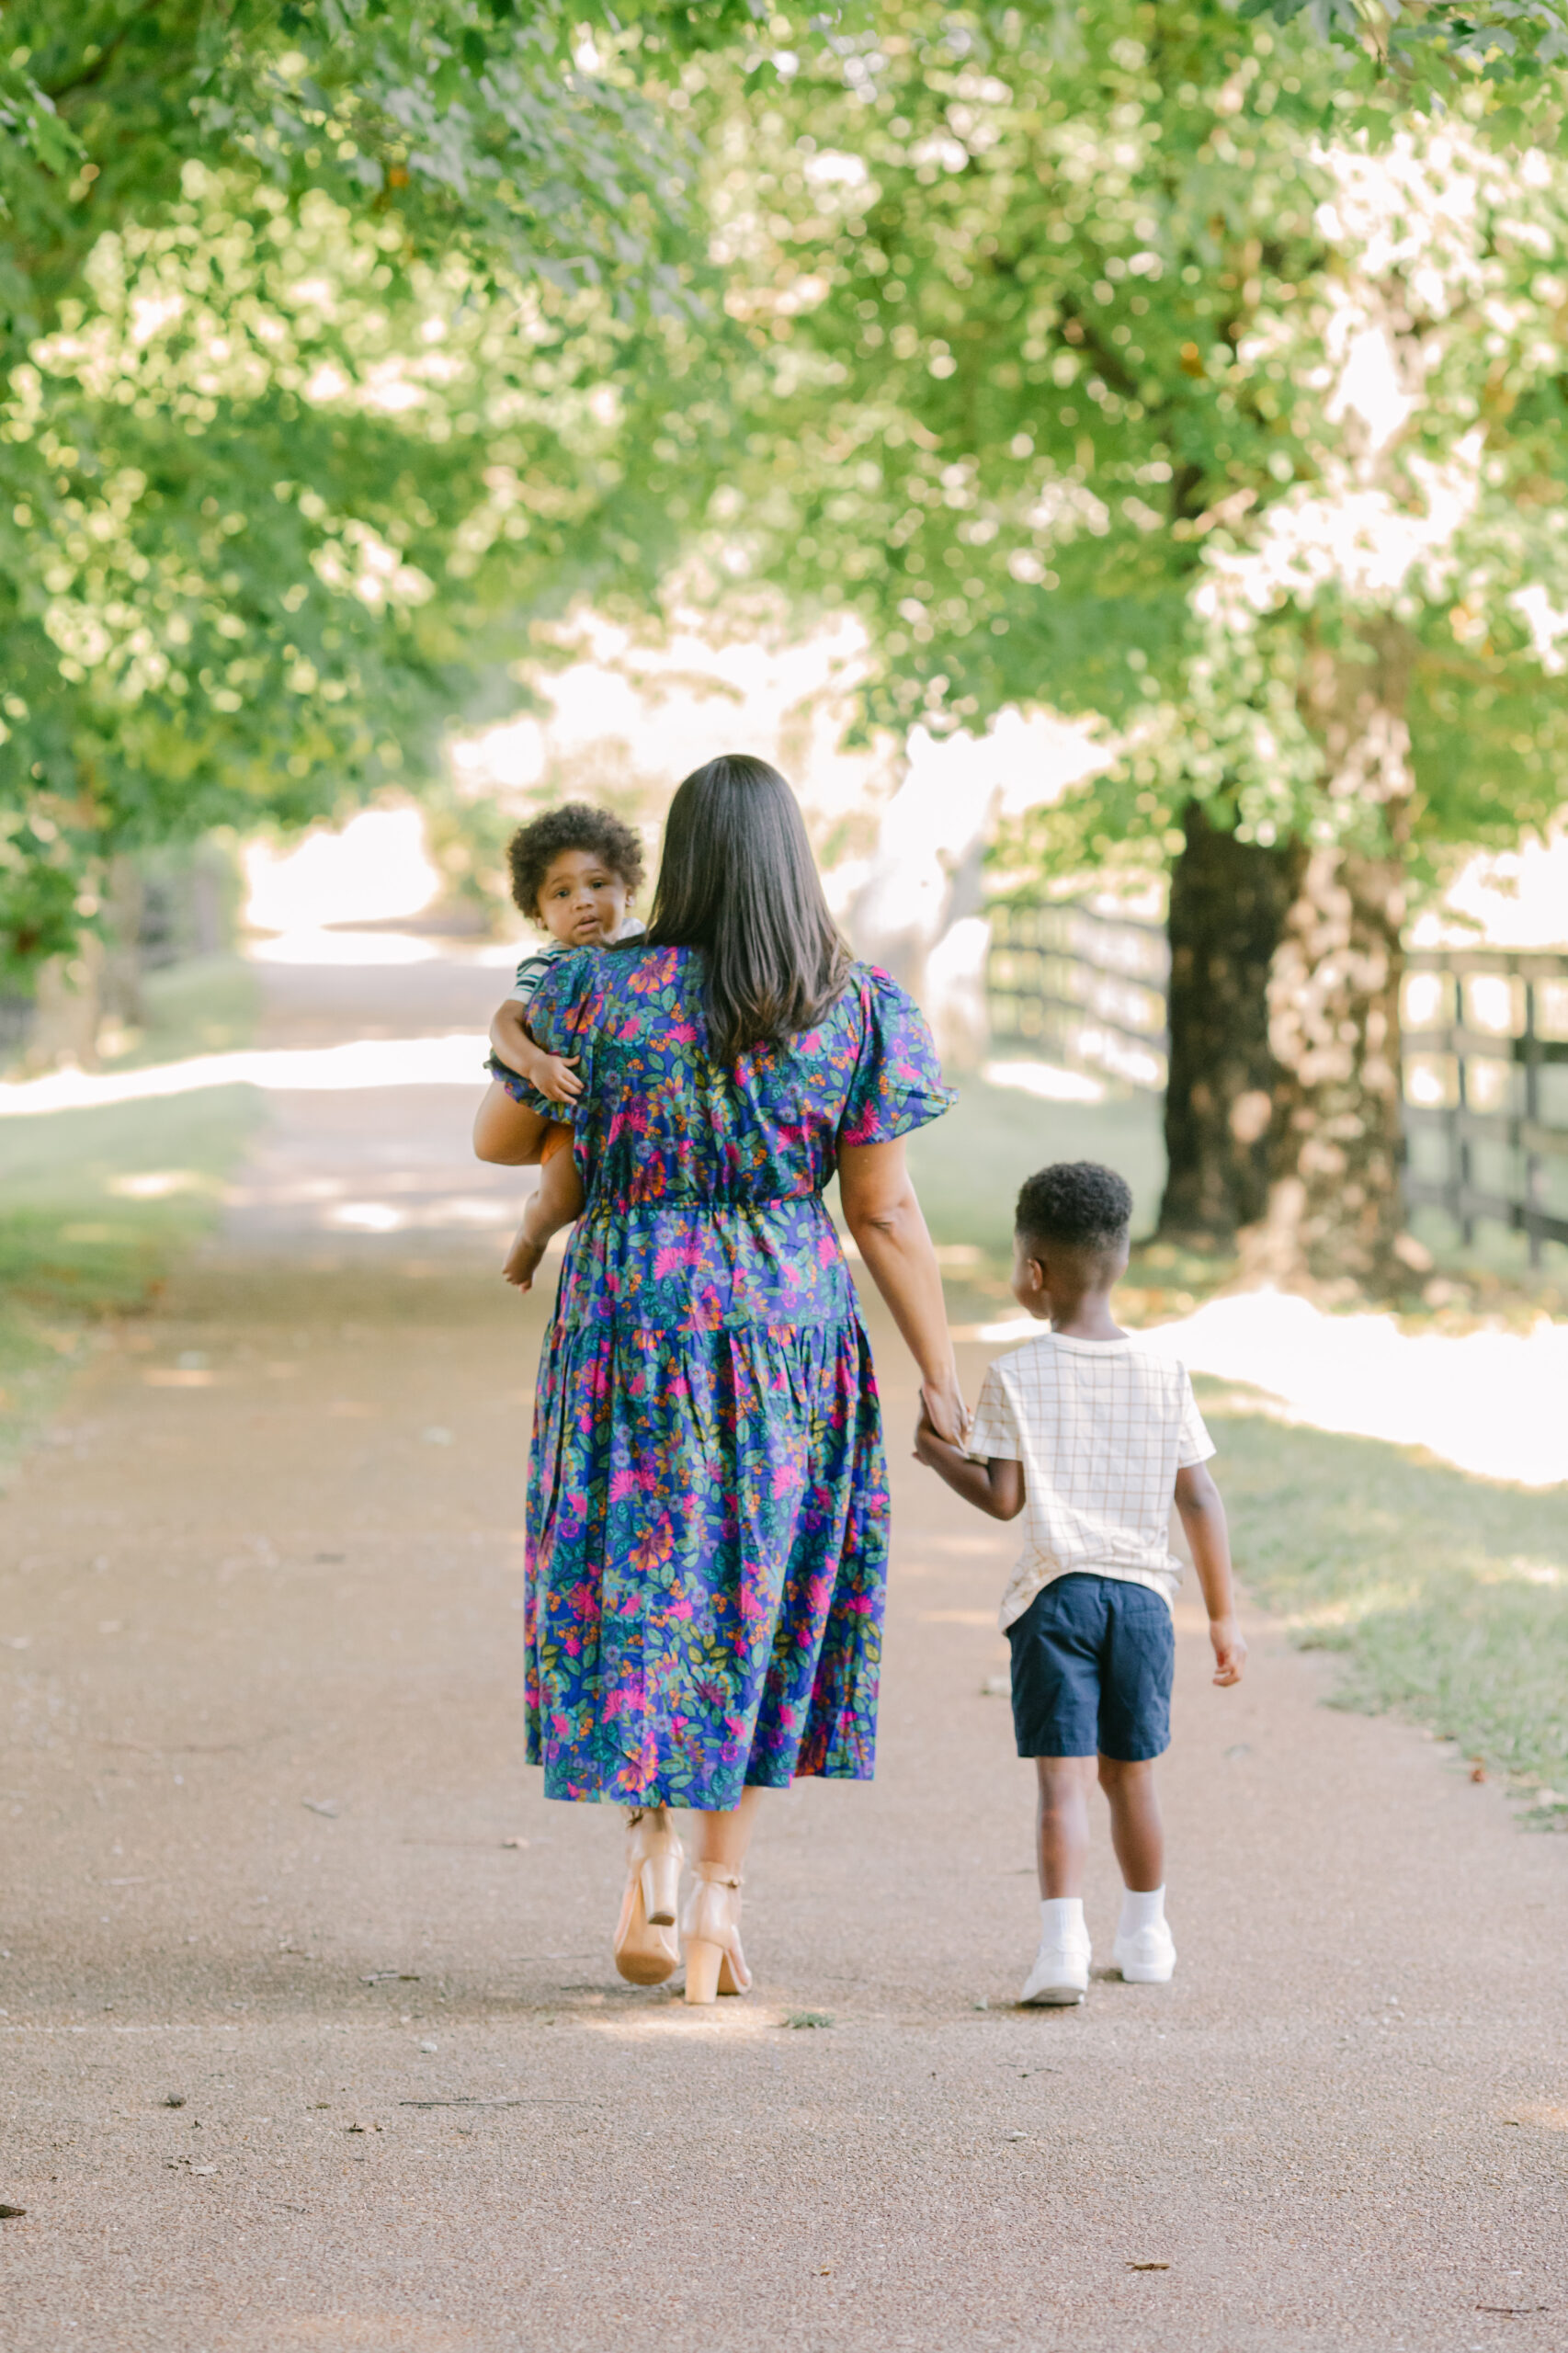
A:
(310, 2034)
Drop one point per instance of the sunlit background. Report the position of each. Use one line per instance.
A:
(1126, 505)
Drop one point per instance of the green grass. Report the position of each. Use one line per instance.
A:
(205, 1007)
(80, 1240)
(1444, 1597)
(968, 1166)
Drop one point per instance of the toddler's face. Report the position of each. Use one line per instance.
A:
(582, 900)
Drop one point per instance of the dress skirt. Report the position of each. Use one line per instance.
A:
(708, 1517)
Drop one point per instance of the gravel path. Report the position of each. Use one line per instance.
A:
(272, 1855)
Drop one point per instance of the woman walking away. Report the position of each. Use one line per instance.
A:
(708, 1504)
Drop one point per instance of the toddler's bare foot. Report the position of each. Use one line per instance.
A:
(522, 1261)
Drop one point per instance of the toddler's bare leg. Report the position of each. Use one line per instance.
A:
(1063, 1822)
(1137, 1833)
(557, 1202)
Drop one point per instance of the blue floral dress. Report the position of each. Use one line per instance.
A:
(708, 1504)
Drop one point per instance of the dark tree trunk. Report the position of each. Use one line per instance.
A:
(1229, 903)
(1335, 1209)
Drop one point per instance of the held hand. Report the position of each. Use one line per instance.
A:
(1230, 1650)
(555, 1079)
(925, 1438)
(941, 1403)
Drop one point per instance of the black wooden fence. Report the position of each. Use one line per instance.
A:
(1485, 1038)
(1082, 986)
(1486, 1088)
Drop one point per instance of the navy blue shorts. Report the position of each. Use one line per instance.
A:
(1092, 1664)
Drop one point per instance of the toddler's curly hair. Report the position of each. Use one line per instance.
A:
(574, 826)
(1078, 1204)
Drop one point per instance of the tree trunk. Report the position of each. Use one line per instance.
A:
(1334, 1210)
(1229, 903)
(70, 1012)
(125, 900)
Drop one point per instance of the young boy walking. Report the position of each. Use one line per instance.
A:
(1091, 1435)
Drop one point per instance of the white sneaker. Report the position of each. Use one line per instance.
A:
(1060, 1975)
(1147, 1958)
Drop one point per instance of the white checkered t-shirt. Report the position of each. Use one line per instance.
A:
(1101, 1428)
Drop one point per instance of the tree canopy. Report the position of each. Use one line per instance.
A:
(1089, 375)
(329, 332)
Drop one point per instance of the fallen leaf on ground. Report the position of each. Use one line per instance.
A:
(1478, 1772)
(320, 1805)
(1148, 2267)
(10, 2214)
(514, 1842)
(807, 2017)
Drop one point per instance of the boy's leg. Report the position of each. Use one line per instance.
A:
(557, 1201)
(1056, 1649)
(1063, 1824)
(1135, 1724)
(1137, 1832)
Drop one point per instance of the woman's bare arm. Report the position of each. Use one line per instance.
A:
(884, 1215)
(507, 1131)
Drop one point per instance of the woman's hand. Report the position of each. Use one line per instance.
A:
(943, 1406)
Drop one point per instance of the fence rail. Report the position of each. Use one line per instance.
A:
(1485, 1033)
(1083, 987)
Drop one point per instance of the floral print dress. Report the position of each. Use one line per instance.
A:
(708, 1504)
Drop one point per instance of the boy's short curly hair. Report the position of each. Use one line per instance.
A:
(574, 826)
(1077, 1205)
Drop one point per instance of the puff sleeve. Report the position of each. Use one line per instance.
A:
(897, 1081)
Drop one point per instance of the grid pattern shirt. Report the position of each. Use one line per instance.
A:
(1101, 1428)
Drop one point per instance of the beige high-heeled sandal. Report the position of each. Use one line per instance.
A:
(645, 1949)
(710, 1934)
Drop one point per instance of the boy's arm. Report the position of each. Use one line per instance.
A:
(553, 1074)
(995, 1486)
(1203, 1524)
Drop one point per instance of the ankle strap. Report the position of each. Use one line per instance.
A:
(716, 1876)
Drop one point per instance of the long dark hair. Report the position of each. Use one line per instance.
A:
(737, 880)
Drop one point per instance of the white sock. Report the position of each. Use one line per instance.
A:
(1062, 1920)
(1144, 1910)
